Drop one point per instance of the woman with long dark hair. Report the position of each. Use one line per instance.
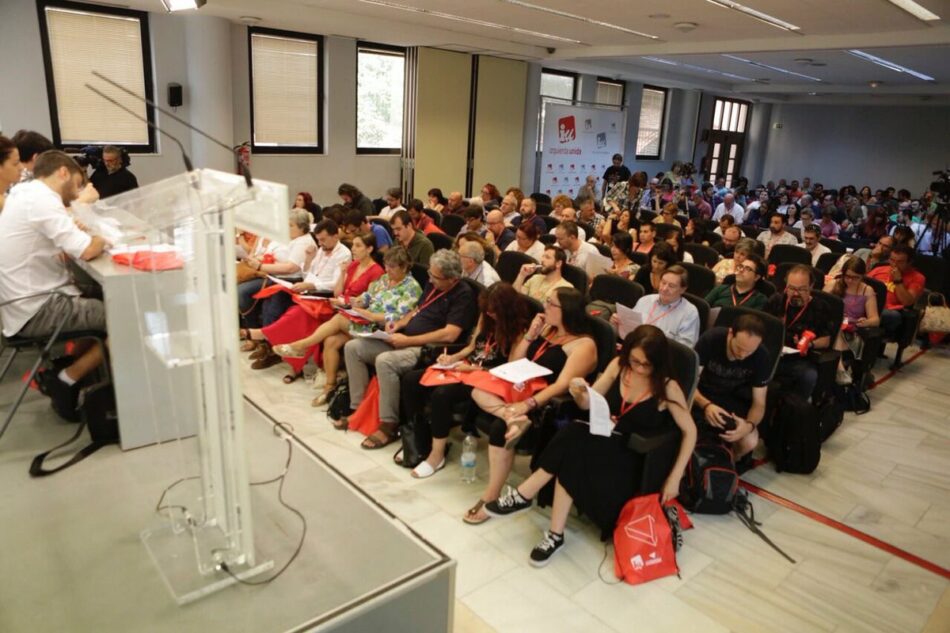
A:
(600, 474)
(661, 257)
(557, 339)
(503, 320)
(437, 201)
(860, 310)
(620, 252)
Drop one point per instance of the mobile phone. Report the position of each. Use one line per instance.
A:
(729, 422)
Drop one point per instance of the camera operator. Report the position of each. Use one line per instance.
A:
(112, 176)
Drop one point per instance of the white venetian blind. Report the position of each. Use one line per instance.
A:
(609, 93)
(286, 98)
(650, 131)
(83, 41)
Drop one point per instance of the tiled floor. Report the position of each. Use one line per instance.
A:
(886, 473)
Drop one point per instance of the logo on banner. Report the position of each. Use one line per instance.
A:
(642, 530)
(601, 140)
(566, 129)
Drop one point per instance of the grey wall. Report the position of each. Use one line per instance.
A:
(877, 146)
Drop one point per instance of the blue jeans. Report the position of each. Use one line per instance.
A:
(248, 307)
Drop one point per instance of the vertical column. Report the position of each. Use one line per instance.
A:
(208, 40)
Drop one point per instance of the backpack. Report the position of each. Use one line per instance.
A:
(710, 483)
(98, 412)
(794, 434)
(338, 404)
(853, 398)
(644, 541)
(830, 410)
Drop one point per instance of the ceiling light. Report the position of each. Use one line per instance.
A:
(685, 27)
(875, 84)
(758, 15)
(182, 5)
(775, 68)
(579, 18)
(889, 65)
(670, 62)
(459, 18)
(915, 10)
(804, 60)
(249, 19)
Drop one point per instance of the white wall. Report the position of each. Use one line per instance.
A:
(878, 146)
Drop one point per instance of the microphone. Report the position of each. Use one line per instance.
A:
(244, 167)
(184, 156)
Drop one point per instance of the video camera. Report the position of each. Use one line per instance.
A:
(941, 186)
(91, 156)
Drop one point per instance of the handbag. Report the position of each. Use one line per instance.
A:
(936, 317)
(416, 437)
(366, 417)
(643, 542)
(246, 273)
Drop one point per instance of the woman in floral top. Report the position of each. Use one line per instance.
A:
(388, 299)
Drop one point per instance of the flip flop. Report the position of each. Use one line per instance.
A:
(425, 470)
(471, 517)
(289, 351)
(289, 378)
(373, 442)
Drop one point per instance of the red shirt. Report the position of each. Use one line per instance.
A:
(913, 280)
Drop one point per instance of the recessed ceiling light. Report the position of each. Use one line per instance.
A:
(758, 15)
(804, 60)
(775, 68)
(182, 5)
(812, 94)
(579, 18)
(889, 65)
(685, 27)
(658, 16)
(459, 18)
(670, 62)
(249, 19)
(919, 12)
(875, 84)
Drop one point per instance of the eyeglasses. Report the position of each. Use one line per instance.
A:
(436, 277)
(746, 269)
(638, 364)
(798, 289)
(853, 277)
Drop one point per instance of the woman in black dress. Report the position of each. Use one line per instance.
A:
(600, 474)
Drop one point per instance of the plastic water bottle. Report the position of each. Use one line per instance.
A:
(469, 458)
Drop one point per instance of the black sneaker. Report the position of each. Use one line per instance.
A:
(509, 503)
(543, 551)
(64, 398)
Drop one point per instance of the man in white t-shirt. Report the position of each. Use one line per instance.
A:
(776, 233)
(730, 206)
(811, 242)
(577, 251)
(36, 231)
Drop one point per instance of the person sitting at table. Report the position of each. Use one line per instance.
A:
(860, 310)
(558, 340)
(304, 318)
(37, 230)
(289, 260)
(742, 292)
(321, 276)
(661, 257)
(600, 474)
(447, 311)
(503, 320)
(526, 241)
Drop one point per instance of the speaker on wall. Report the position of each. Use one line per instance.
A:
(174, 95)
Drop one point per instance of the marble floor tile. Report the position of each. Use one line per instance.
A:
(905, 508)
(900, 534)
(911, 586)
(939, 621)
(399, 497)
(936, 519)
(466, 621)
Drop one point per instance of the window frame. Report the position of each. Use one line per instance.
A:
(666, 109)
(563, 73)
(321, 92)
(623, 90)
(384, 49)
(142, 17)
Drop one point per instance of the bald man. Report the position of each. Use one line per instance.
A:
(454, 204)
(498, 235)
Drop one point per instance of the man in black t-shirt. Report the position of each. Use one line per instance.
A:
(618, 172)
(446, 313)
(732, 383)
(805, 316)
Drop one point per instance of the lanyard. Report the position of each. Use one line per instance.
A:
(545, 344)
(432, 297)
(650, 320)
(626, 407)
(797, 316)
(735, 297)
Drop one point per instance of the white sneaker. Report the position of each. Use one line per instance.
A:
(843, 377)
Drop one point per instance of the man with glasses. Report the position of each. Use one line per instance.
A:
(808, 326)
(544, 279)
(734, 376)
(356, 223)
(904, 285)
(474, 265)
(811, 242)
(741, 293)
(113, 177)
(498, 235)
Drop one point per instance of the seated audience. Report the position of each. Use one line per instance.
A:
(393, 200)
(529, 215)
(410, 238)
(474, 266)
(543, 279)
(526, 241)
(447, 311)
(568, 214)
(742, 292)
(727, 245)
(860, 310)
(668, 215)
(724, 223)
(305, 201)
(646, 238)
(904, 285)
(668, 309)
(454, 204)
(811, 242)
(829, 228)
(588, 215)
(503, 320)
(703, 209)
(498, 235)
(112, 177)
(877, 255)
(474, 221)
(557, 339)
(437, 201)
(620, 251)
(729, 206)
(420, 219)
(577, 251)
(490, 194)
(776, 234)
(617, 222)
(661, 258)
(675, 239)
(355, 223)
(807, 217)
(735, 372)
(509, 208)
(801, 313)
(353, 198)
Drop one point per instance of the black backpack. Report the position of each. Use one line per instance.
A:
(338, 404)
(794, 435)
(711, 481)
(853, 398)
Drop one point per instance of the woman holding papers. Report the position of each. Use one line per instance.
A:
(592, 466)
(557, 340)
(501, 325)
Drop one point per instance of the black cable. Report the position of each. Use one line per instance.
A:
(600, 568)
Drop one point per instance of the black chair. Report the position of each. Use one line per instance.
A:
(535, 307)
(547, 239)
(796, 232)
(605, 338)
(440, 240)
(550, 221)
(750, 230)
(782, 253)
(774, 339)
(712, 237)
(826, 261)
(702, 254)
(647, 216)
(933, 268)
(702, 307)
(759, 248)
(835, 246)
(542, 208)
(616, 289)
(421, 274)
(476, 287)
(452, 224)
(379, 204)
(540, 197)
(641, 259)
(576, 277)
(763, 285)
(701, 279)
(510, 263)
(435, 215)
(588, 229)
(604, 249)
(383, 223)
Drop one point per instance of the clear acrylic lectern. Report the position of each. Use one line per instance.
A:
(179, 233)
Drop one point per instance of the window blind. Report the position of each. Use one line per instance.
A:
(609, 93)
(652, 109)
(285, 84)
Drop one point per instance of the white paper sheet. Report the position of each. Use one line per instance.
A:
(448, 366)
(312, 297)
(629, 320)
(520, 371)
(380, 334)
(788, 350)
(280, 282)
(600, 421)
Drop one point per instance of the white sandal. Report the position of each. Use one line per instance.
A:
(425, 470)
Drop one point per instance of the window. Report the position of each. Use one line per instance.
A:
(610, 92)
(730, 115)
(380, 73)
(652, 118)
(558, 84)
(726, 140)
(73, 36)
(286, 91)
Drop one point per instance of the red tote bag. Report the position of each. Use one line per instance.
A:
(643, 542)
(366, 417)
(505, 390)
